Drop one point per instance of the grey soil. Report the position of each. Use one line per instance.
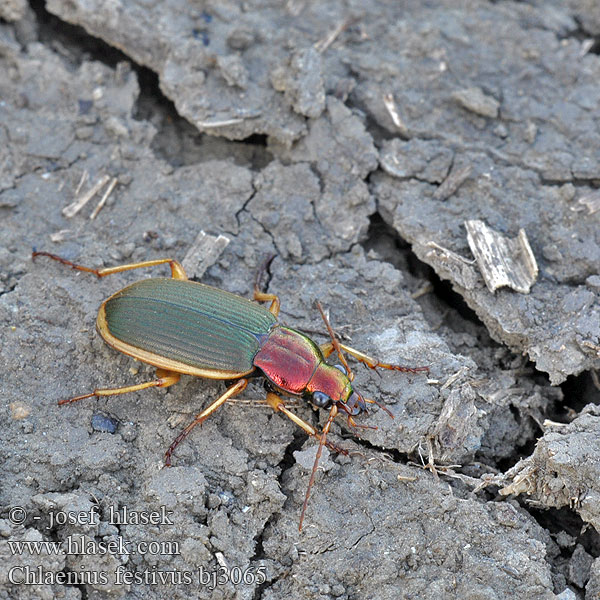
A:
(353, 140)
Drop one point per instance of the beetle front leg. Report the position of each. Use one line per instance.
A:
(177, 271)
(328, 348)
(322, 442)
(276, 403)
(165, 379)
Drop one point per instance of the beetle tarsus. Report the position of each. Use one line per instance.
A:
(66, 262)
(75, 399)
(374, 364)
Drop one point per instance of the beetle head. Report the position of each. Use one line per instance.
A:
(354, 405)
(330, 385)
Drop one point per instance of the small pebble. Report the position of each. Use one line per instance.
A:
(103, 423)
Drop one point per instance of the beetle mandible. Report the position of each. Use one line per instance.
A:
(184, 327)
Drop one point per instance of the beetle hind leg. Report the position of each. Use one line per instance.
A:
(164, 379)
(177, 271)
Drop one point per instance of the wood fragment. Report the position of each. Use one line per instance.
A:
(323, 44)
(104, 198)
(589, 202)
(523, 475)
(452, 266)
(226, 122)
(204, 253)
(454, 377)
(591, 346)
(60, 235)
(455, 179)
(426, 288)
(501, 260)
(84, 178)
(586, 46)
(72, 209)
(390, 105)
(221, 560)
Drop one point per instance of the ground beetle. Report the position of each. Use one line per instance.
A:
(181, 326)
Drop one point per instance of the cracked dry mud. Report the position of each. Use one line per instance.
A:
(353, 140)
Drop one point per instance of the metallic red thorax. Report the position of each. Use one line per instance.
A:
(295, 364)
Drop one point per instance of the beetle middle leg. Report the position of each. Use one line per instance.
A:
(272, 298)
(164, 379)
(334, 345)
(231, 391)
(177, 271)
(261, 296)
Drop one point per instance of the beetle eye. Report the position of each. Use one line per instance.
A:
(321, 400)
(342, 369)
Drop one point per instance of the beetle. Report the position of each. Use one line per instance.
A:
(184, 327)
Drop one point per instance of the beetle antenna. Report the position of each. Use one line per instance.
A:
(353, 423)
(334, 341)
(381, 406)
(322, 441)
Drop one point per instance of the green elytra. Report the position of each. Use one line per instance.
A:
(197, 325)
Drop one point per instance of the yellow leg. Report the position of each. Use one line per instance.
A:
(272, 298)
(263, 296)
(235, 389)
(328, 348)
(276, 403)
(177, 271)
(164, 379)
